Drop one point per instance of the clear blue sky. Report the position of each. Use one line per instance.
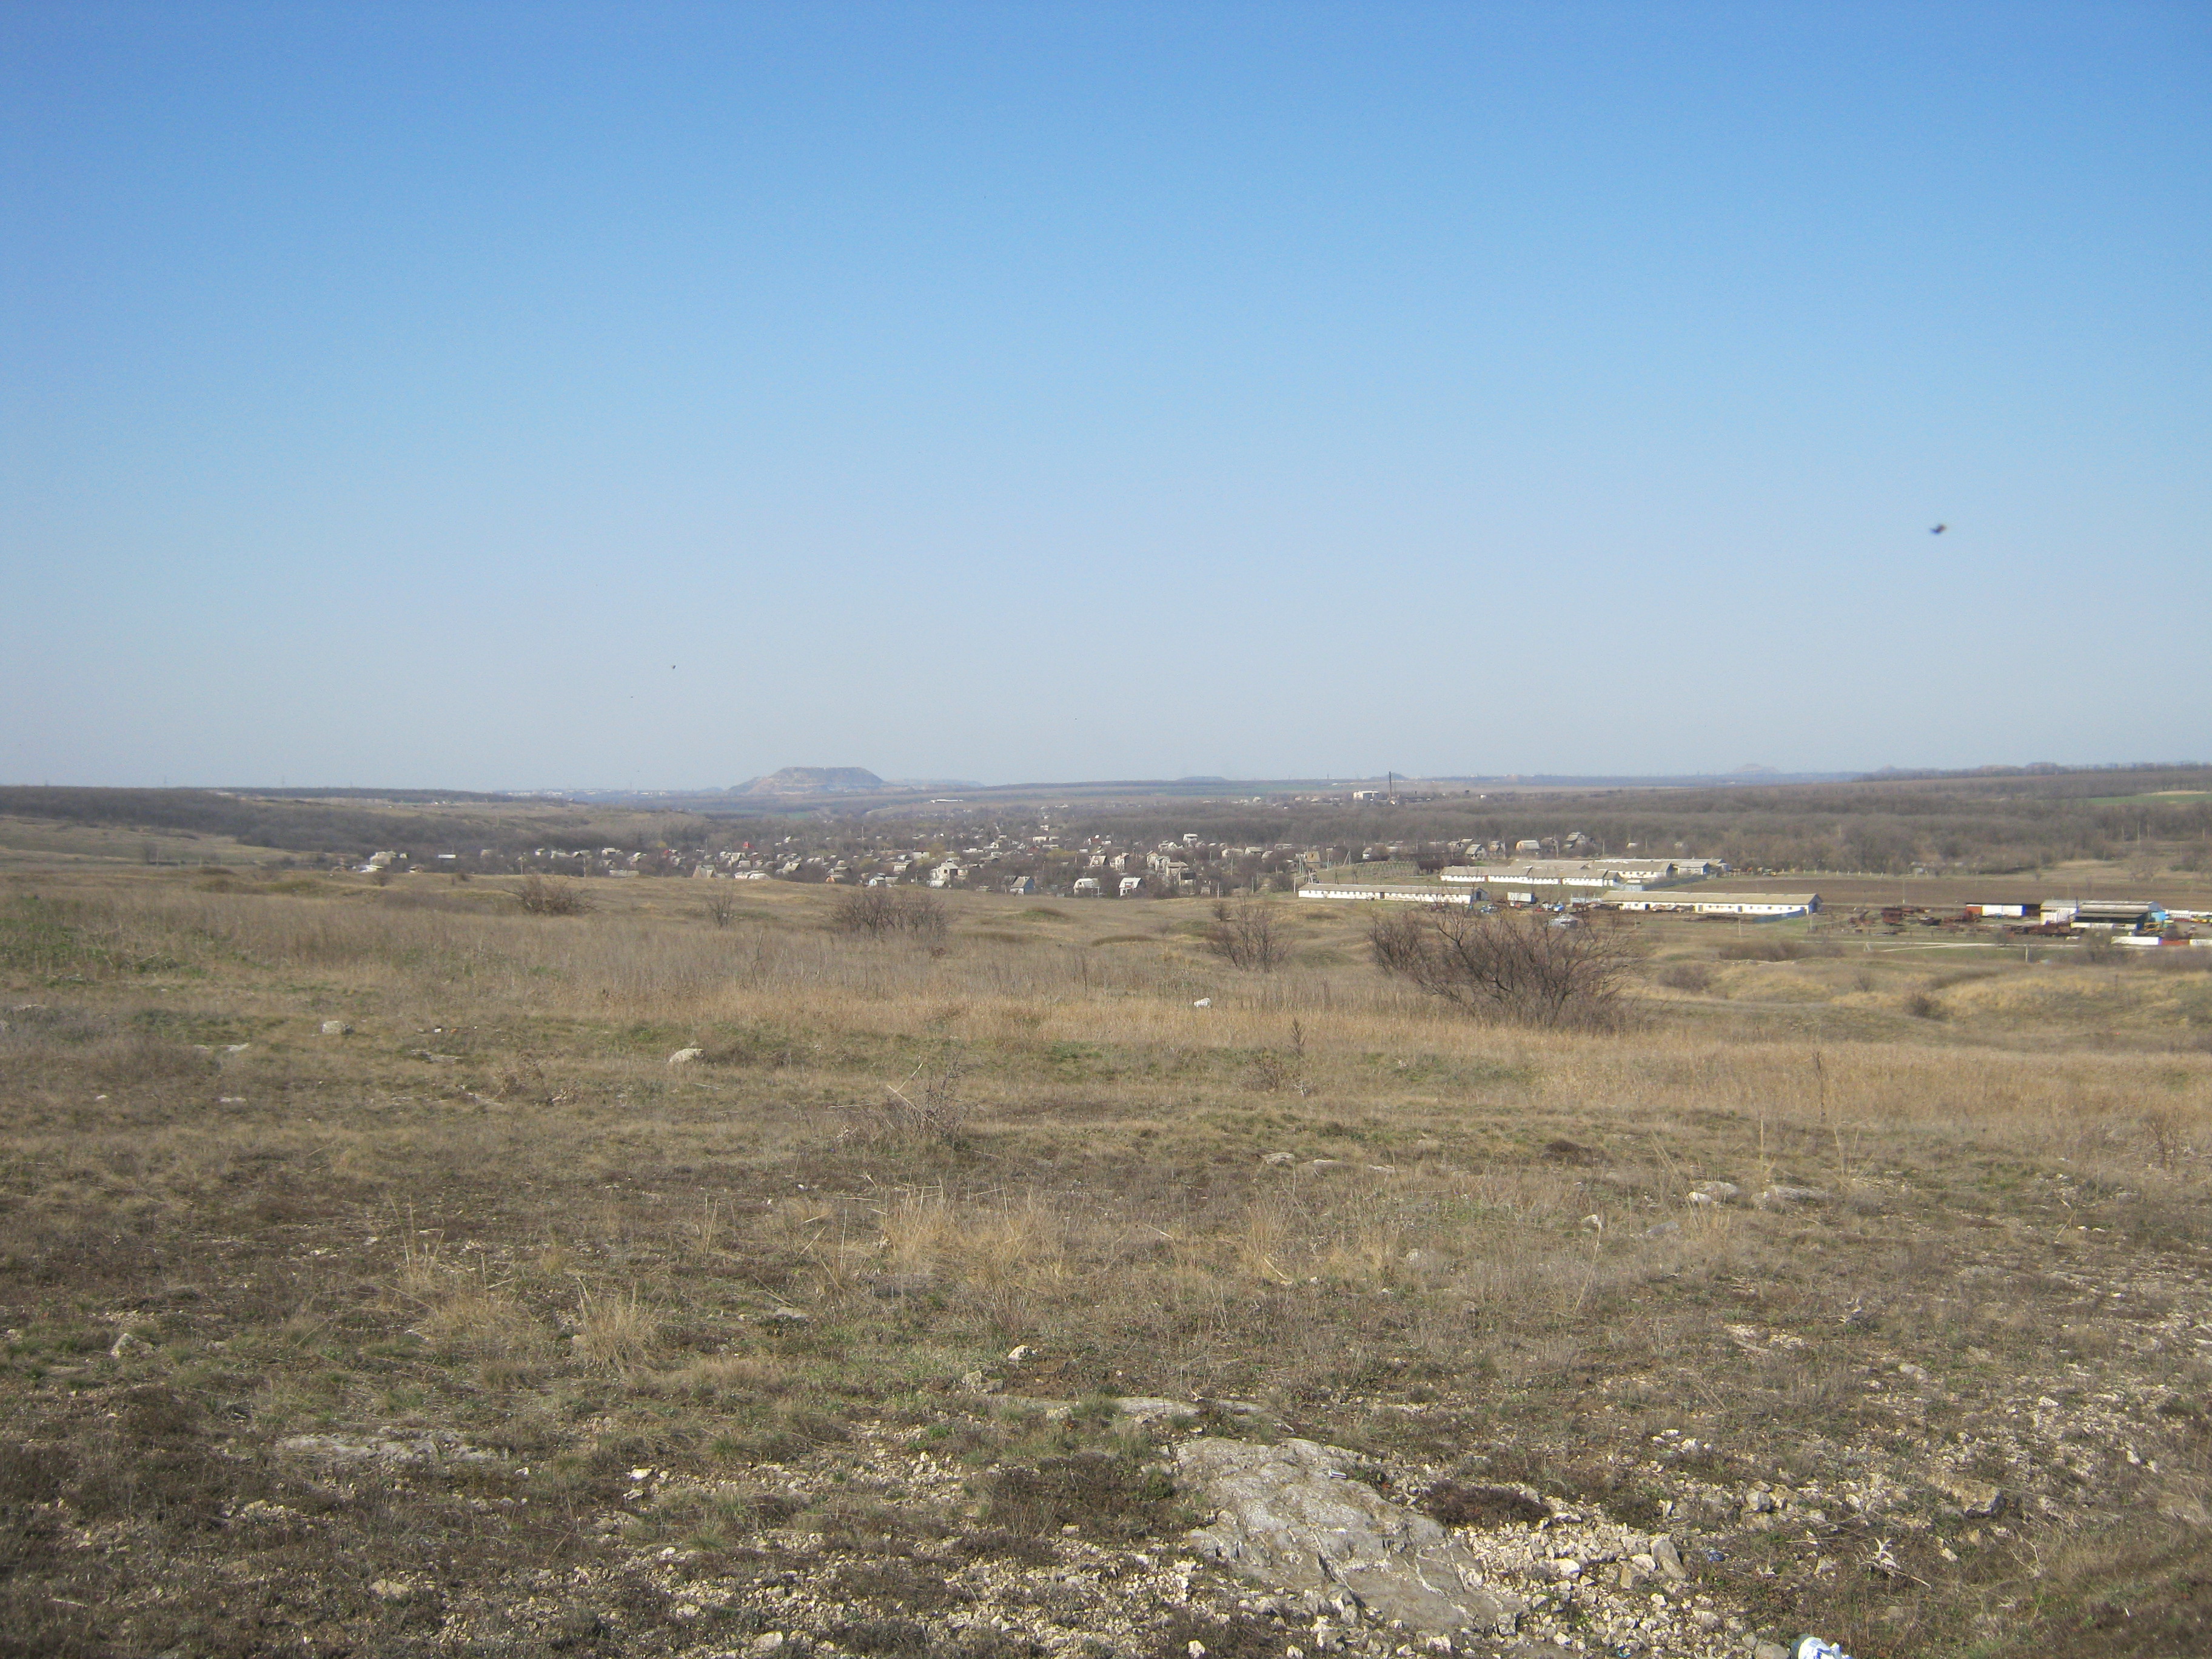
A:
(540, 395)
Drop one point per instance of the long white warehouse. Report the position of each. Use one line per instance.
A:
(1762, 907)
(1403, 894)
(1589, 874)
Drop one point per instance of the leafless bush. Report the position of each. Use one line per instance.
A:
(1245, 933)
(1516, 966)
(921, 915)
(721, 909)
(1925, 1005)
(541, 897)
(1273, 1069)
(1684, 976)
(878, 912)
(2167, 1135)
(927, 1106)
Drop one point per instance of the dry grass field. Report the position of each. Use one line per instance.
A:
(375, 1284)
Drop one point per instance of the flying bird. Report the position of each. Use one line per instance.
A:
(1939, 529)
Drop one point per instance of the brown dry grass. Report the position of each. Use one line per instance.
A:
(494, 1207)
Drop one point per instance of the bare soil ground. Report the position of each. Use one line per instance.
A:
(375, 1284)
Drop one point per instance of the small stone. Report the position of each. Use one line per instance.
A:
(769, 1641)
(1196, 1649)
(1015, 1355)
(685, 1056)
(337, 1028)
(129, 1345)
(1203, 1002)
(1770, 1651)
(1979, 1499)
(1778, 1198)
(391, 1589)
(1668, 1559)
(1281, 1160)
(1717, 1192)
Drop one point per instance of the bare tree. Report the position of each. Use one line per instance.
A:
(721, 909)
(1245, 933)
(1525, 966)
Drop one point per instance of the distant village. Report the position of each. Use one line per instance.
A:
(1566, 874)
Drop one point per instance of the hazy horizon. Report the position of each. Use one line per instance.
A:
(1554, 776)
(659, 397)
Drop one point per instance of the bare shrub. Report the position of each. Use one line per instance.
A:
(870, 910)
(1684, 976)
(1925, 1005)
(1273, 1069)
(540, 897)
(2168, 1136)
(926, 1107)
(1245, 933)
(879, 912)
(1518, 967)
(1458, 1505)
(921, 915)
(721, 908)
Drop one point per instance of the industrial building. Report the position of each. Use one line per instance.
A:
(1583, 875)
(1747, 907)
(1402, 895)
